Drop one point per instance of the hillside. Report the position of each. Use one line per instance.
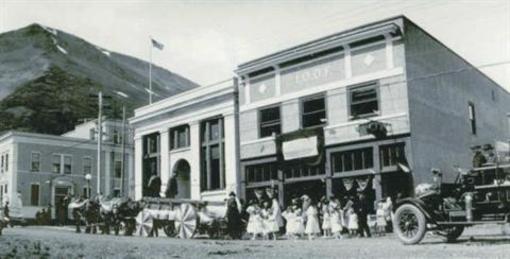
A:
(46, 77)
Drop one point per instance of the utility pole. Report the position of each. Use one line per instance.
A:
(99, 140)
(123, 150)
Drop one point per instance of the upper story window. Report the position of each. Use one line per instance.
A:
(117, 138)
(68, 162)
(56, 165)
(35, 164)
(364, 101)
(92, 134)
(151, 143)
(212, 155)
(269, 121)
(34, 195)
(472, 117)
(313, 111)
(179, 137)
(352, 160)
(87, 165)
(117, 166)
(4, 164)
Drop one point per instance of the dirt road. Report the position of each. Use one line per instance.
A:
(60, 242)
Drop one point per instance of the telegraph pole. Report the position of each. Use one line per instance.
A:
(99, 140)
(123, 150)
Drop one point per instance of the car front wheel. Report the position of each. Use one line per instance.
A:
(409, 224)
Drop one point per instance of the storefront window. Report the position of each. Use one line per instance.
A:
(352, 160)
(261, 172)
(391, 155)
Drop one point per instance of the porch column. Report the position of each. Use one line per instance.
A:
(138, 167)
(164, 157)
(195, 163)
(376, 182)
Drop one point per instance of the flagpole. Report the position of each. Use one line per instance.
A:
(150, 70)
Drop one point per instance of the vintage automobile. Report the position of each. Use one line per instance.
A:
(478, 196)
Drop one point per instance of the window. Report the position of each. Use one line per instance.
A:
(352, 160)
(92, 134)
(34, 195)
(2, 163)
(391, 155)
(179, 137)
(302, 170)
(363, 101)
(152, 143)
(118, 169)
(56, 164)
(313, 111)
(86, 192)
(270, 121)
(472, 117)
(116, 137)
(36, 162)
(68, 160)
(261, 172)
(7, 162)
(87, 165)
(212, 155)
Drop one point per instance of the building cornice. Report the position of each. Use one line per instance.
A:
(389, 26)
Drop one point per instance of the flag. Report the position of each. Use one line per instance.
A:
(157, 45)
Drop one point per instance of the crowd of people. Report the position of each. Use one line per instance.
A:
(354, 216)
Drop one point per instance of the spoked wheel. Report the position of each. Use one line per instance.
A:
(409, 224)
(144, 223)
(452, 233)
(185, 221)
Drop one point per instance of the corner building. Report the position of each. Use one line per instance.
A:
(370, 109)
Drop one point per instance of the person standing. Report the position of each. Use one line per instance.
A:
(233, 216)
(312, 221)
(361, 209)
(276, 211)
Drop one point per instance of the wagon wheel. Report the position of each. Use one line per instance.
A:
(185, 221)
(144, 223)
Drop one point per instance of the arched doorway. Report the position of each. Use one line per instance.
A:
(181, 178)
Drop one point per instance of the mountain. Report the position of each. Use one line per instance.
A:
(47, 78)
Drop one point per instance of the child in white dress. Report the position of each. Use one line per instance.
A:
(254, 227)
(326, 219)
(312, 221)
(335, 218)
(380, 219)
(353, 222)
(271, 224)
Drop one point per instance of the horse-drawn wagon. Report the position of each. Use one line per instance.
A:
(181, 217)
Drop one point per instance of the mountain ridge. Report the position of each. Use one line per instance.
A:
(37, 60)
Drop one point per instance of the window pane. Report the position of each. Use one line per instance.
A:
(314, 112)
(35, 162)
(56, 164)
(364, 101)
(67, 164)
(214, 132)
(269, 121)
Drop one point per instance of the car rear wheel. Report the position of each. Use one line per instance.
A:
(409, 224)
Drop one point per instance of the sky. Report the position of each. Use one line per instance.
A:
(205, 40)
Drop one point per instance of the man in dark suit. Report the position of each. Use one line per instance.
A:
(361, 207)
